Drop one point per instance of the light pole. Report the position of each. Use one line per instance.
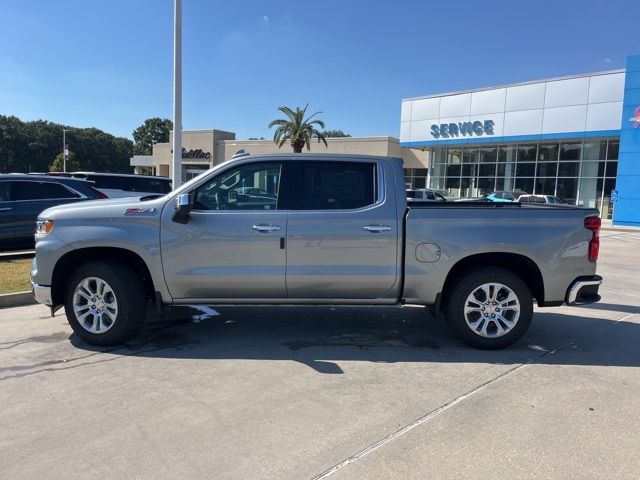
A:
(65, 150)
(177, 94)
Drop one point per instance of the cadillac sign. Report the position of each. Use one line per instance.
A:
(462, 129)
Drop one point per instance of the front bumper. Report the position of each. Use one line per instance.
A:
(584, 290)
(42, 294)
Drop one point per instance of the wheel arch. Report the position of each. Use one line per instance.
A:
(72, 260)
(522, 266)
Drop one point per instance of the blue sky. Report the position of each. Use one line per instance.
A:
(107, 63)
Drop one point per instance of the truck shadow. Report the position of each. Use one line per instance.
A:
(325, 337)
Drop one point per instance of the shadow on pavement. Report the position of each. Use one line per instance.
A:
(321, 336)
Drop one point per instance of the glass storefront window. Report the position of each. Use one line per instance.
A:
(547, 169)
(453, 170)
(612, 151)
(487, 170)
(567, 189)
(592, 169)
(570, 151)
(454, 155)
(525, 169)
(545, 186)
(486, 186)
(419, 182)
(612, 169)
(507, 154)
(437, 183)
(439, 155)
(548, 152)
(488, 154)
(527, 153)
(468, 187)
(607, 206)
(590, 194)
(469, 170)
(568, 169)
(438, 170)
(594, 150)
(524, 184)
(470, 155)
(506, 170)
(505, 183)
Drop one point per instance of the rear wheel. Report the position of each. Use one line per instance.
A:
(105, 302)
(489, 307)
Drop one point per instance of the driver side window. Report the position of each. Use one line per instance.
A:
(252, 186)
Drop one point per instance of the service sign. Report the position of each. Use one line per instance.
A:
(463, 129)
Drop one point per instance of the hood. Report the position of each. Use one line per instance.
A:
(102, 208)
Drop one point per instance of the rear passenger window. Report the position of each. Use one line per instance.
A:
(42, 191)
(5, 188)
(335, 185)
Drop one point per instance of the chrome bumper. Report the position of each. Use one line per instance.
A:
(41, 294)
(584, 290)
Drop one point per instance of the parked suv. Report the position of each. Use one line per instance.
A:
(505, 196)
(23, 197)
(424, 194)
(116, 185)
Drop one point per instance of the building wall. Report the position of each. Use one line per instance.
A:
(571, 107)
(627, 208)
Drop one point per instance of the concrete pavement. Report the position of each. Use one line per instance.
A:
(329, 393)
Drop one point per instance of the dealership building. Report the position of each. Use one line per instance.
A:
(575, 137)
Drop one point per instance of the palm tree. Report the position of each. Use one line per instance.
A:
(297, 129)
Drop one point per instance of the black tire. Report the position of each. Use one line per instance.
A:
(470, 282)
(129, 293)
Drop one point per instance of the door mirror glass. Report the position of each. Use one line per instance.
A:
(183, 208)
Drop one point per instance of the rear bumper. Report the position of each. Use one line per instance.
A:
(42, 294)
(584, 290)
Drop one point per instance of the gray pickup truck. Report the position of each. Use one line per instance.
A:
(312, 230)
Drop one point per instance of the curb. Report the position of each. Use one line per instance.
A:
(621, 229)
(8, 300)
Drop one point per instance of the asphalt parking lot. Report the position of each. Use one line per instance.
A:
(345, 393)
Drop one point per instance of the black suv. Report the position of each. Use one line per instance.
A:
(23, 197)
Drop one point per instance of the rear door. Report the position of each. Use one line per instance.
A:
(7, 212)
(342, 232)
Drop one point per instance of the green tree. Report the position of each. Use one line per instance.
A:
(334, 134)
(58, 163)
(153, 130)
(30, 146)
(297, 129)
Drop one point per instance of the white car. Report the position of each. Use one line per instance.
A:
(540, 199)
(424, 194)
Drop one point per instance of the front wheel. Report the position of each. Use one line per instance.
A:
(489, 308)
(105, 302)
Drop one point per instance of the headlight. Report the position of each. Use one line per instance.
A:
(43, 227)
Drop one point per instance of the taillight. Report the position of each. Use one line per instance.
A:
(593, 224)
(99, 193)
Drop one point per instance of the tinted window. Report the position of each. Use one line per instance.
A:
(5, 187)
(42, 191)
(430, 196)
(335, 185)
(247, 187)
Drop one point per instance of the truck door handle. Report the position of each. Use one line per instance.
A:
(266, 228)
(376, 228)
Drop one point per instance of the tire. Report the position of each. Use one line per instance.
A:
(111, 315)
(496, 324)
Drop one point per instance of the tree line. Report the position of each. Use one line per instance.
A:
(33, 146)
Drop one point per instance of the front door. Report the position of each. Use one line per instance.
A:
(233, 243)
(342, 232)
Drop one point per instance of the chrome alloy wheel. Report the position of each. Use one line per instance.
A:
(492, 310)
(95, 305)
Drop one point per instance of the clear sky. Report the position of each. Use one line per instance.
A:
(108, 63)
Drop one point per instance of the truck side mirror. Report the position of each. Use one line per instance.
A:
(183, 208)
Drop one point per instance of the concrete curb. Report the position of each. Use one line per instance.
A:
(8, 300)
(621, 229)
